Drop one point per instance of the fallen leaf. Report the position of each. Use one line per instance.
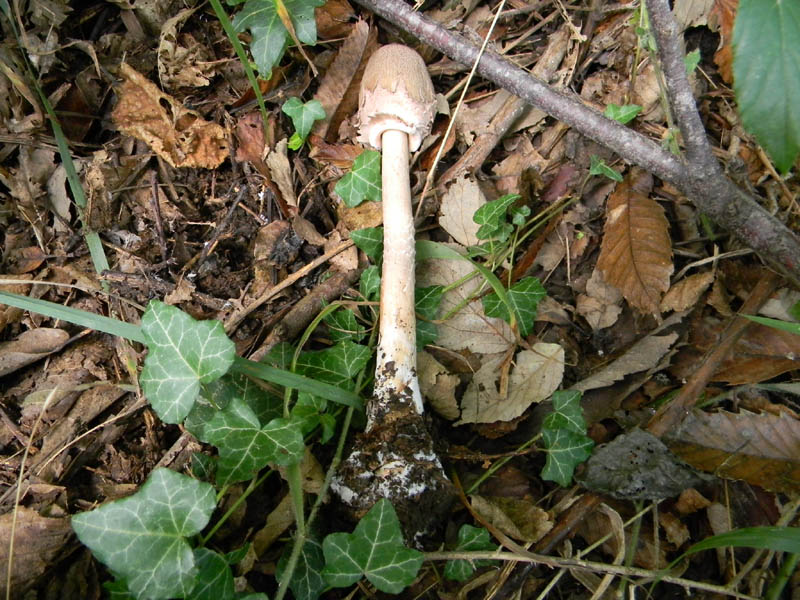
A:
(178, 135)
(600, 305)
(459, 204)
(723, 15)
(536, 374)
(438, 386)
(281, 172)
(333, 19)
(763, 449)
(686, 292)
(519, 519)
(30, 346)
(182, 61)
(636, 253)
(692, 13)
(251, 147)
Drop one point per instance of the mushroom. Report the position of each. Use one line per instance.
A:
(394, 458)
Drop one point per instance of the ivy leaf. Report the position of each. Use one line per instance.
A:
(470, 539)
(142, 538)
(270, 36)
(303, 117)
(492, 218)
(564, 436)
(342, 325)
(370, 241)
(524, 297)
(375, 550)
(363, 182)
(183, 353)
(245, 447)
(427, 301)
(766, 74)
(214, 580)
(307, 582)
(336, 365)
(370, 283)
(691, 60)
(598, 166)
(623, 114)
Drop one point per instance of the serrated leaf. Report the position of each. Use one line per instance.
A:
(565, 450)
(303, 115)
(524, 297)
(342, 325)
(143, 537)
(636, 252)
(598, 166)
(766, 72)
(622, 114)
(307, 582)
(470, 539)
(370, 283)
(245, 447)
(363, 182)
(183, 353)
(370, 241)
(375, 550)
(214, 580)
(336, 365)
(270, 37)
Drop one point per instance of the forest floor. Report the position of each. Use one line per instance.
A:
(626, 299)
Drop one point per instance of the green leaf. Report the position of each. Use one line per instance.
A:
(375, 550)
(766, 72)
(336, 365)
(214, 580)
(564, 436)
(427, 300)
(370, 283)
(307, 582)
(524, 297)
(183, 353)
(245, 447)
(370, 241)
(623, 114)
(363, 182)
(303, 115)
(343, 325)
(492, 218)
(142, 538)
(777, 324)
(691, 60)
(565, 451)
(599, 167)
(470, 539)
(270, 37)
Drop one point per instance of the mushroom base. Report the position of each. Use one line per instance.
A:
(396, 461)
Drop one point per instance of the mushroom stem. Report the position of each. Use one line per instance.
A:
(396, 370)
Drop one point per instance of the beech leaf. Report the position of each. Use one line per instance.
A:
(636, 253)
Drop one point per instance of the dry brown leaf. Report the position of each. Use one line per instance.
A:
(29, 347)
(280, 170)
(333, 19)
(438, 386)
(178, 135)
(517, 518)
(686, 292)
(763, 450)
(37, 542)
(723, 15)
(692, 13)
(338, 92)
(600, 305)
(251, 147)
(636, 253)
(459, 204)
(536, 374)
(182, 61)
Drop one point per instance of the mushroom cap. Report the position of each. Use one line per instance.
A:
(396, 94)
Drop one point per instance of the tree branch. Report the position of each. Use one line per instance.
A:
(701, 180)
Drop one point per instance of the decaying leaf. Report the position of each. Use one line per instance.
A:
(29, 347)
(281, 171)
(469, 328)
(686, 292)
(519, 519)
(178, 135)
(636, 253)
(459, 204)
(761, 449)
(182, 61)
(438, 386)
(600, 305)
(536, 374)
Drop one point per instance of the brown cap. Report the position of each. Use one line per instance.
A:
(396, 93)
